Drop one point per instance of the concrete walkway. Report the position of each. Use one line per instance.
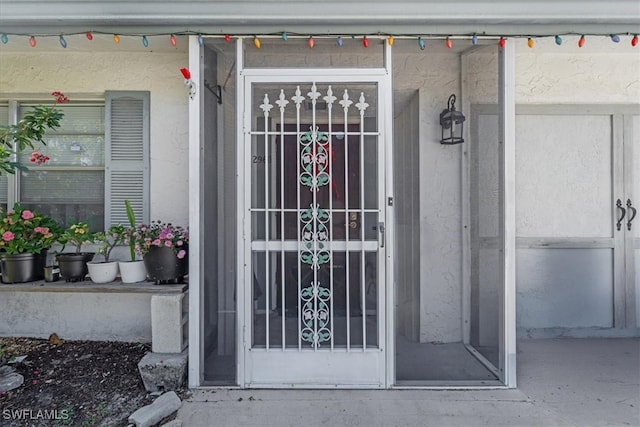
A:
(570, 382)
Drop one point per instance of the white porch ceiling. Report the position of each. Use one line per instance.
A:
(501, 17)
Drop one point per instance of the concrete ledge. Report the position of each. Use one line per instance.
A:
(89, 286)
(80, 311)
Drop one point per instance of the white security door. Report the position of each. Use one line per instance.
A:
(314, 231)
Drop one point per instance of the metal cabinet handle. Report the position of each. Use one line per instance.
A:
(624, 211)
(382, 230)
(633, 213)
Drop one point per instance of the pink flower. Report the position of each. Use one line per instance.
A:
(179, 243)
(26, 214)
(167, 243)
(7, 236)
(181, 253)
(170, 235)
(156, 242)
(39, 230)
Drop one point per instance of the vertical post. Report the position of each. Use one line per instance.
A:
(507, 129)
(196, 301)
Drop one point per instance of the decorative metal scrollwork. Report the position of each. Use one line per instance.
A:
(314, 159)
(315, 314)
(314, 236)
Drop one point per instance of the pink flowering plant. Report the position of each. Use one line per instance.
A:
(27, 231)
(29, 133)
(162, 234)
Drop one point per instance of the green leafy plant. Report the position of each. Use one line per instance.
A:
(26, 231)
(76, 235)
(131, 231)
(28, 132)
(110, 239)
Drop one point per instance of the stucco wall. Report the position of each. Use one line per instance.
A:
(73, 73)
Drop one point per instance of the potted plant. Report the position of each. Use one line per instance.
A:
(107, 270)
(164, 248)
(134, 270)
(25, 237)
(73, 265)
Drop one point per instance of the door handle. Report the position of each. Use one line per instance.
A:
(633, 213)
(624, 211)
(382, 235)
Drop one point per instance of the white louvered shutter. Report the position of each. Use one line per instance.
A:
(126, 156)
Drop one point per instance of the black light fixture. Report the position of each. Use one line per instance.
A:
(452, 123)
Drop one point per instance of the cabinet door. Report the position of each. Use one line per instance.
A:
(631, 223)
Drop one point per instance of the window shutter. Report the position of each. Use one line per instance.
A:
(126, 156)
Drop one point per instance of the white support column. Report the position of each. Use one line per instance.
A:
(196, 302)
(508, 113)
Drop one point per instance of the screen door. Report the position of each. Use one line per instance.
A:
(313, 239)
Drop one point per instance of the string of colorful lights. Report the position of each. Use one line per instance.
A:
(390, 38)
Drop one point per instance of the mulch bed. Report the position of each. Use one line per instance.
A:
(81, 383)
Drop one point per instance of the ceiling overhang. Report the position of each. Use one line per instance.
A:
(429, 17)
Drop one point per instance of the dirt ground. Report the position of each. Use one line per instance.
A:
(74, 383)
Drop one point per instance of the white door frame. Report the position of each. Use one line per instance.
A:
(506, 370)
(380, 360)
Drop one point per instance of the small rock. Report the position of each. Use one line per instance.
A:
(173, 423)
(6, 370)
(152, 414)
(10, 381)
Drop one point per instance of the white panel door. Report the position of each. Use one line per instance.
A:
(314, 231)
(632, 226)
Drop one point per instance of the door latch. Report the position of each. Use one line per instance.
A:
(382, 235)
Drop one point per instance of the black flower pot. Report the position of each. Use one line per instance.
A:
(73, 267)
(20, 268)
(164, 267)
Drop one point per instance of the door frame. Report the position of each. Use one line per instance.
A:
(505, 110)
(382, 76)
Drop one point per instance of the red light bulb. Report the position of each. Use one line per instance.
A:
(32, 41)
(227, 38)
(311, 42)
(172, 39)
(448, 43)
(634, 41)
(581, 41)
(365, 41)
(502, 42)
(89, 36)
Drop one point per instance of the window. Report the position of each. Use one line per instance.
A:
(99, 158)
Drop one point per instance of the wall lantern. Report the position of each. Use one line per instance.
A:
(452, 123)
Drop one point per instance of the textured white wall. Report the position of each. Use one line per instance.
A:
(96, 72)
(440, 220)
(602, 72)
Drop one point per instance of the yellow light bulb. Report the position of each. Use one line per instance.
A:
(390, 40)
(116, 38)
(530, 42)
(257, 43)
